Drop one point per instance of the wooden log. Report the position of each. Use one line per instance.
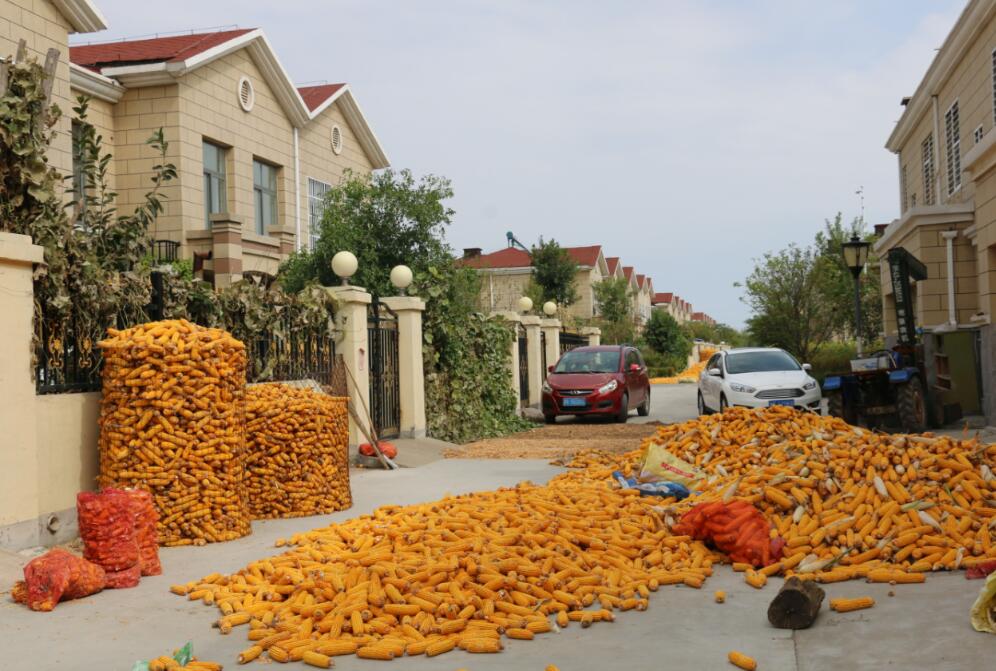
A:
(22, 51)
(51, 62)
(796, 605)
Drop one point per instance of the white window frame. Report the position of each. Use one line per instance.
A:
(994, 83)
(261, 190)
(952, 147)
(904, 187)
(977, 134)
(928, 169)
(317, 189)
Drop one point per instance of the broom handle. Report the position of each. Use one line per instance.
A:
(372, 436)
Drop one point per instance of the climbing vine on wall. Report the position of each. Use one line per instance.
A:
(466, 358)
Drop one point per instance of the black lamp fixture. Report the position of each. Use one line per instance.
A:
(856, 256)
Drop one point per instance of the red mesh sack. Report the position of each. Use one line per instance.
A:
(107, 527)
(146, 519)
(736, 528)
(57, 576)
(129, 577)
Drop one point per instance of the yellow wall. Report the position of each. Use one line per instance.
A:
(67, 448)
(970, 83)
(41, 25)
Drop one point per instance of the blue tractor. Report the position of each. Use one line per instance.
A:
(889, 387)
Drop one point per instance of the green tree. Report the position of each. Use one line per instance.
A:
(665, 336)
(554, 275)
(615, 303)
(789, 307)
(837, 283)
(729, 335)
(385, 219)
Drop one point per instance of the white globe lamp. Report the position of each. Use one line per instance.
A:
(525, 304)
(401, 278)
(549, 308)
(344, 264)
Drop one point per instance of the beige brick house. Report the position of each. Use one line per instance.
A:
(44, 25)
(644, 298)
(254, 153)
(945, 146)
(506, 274)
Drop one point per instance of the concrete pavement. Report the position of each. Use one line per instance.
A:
(923, 626)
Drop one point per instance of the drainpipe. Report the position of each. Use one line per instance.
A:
(949, 237)
(297, 193)
(937, 150)
(491, 289)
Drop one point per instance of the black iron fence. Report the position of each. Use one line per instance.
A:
(385, 388)
(523, 368)
(292, 352)
(67, 358)
(569, 341)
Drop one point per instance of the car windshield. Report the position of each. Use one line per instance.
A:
(760, 362)
(588, 362)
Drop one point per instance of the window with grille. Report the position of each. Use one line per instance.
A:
(316, 208)
(977, 135)
(927, 158)
(952, 139)
(264, 189)
(215, 197)
(903, 188)
(994, 84)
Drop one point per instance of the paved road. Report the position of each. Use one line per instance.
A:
(668, 403)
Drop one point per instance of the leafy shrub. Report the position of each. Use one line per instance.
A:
(466, 358)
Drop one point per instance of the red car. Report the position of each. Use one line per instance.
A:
(604, 380)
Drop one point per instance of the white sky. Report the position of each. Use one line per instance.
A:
(686, 137)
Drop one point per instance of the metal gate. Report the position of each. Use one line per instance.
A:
(543, 354)
(569, 341)
(385, 394)
(523, 368)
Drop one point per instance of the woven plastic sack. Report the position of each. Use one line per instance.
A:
(736, 528)
(660, 464)
(129, 577)
(146, 521)
(984, 608)
(107, 527)
(58, 576)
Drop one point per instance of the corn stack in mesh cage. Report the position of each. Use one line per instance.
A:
(172, 422)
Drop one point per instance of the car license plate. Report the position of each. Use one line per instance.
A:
(574, 402)
(786, 401)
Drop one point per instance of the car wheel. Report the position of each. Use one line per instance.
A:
(623, 409)
(550, 419)
(644, 409)
(703, 408)
(723, 405)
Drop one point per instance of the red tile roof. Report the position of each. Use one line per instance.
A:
(612, 262)
(314, 96)
(585, 256)
(698, 316)
(512, 257)
(663, 298)
(641, 280)
(628, 272)
(154, 50)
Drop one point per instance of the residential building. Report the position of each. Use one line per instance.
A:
(945, 146)
(614, 266)
(703, 317)
(254, 153)
(44, 25)
(629, 273)
(506, 274)
(644, 298)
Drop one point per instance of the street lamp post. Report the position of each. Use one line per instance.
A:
(856, 256)
(344, 264)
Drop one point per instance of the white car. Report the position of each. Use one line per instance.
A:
(756, 377)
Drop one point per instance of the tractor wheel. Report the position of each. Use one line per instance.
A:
(912, 406)
(835, 404)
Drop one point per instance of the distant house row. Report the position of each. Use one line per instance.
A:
(506, 274)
